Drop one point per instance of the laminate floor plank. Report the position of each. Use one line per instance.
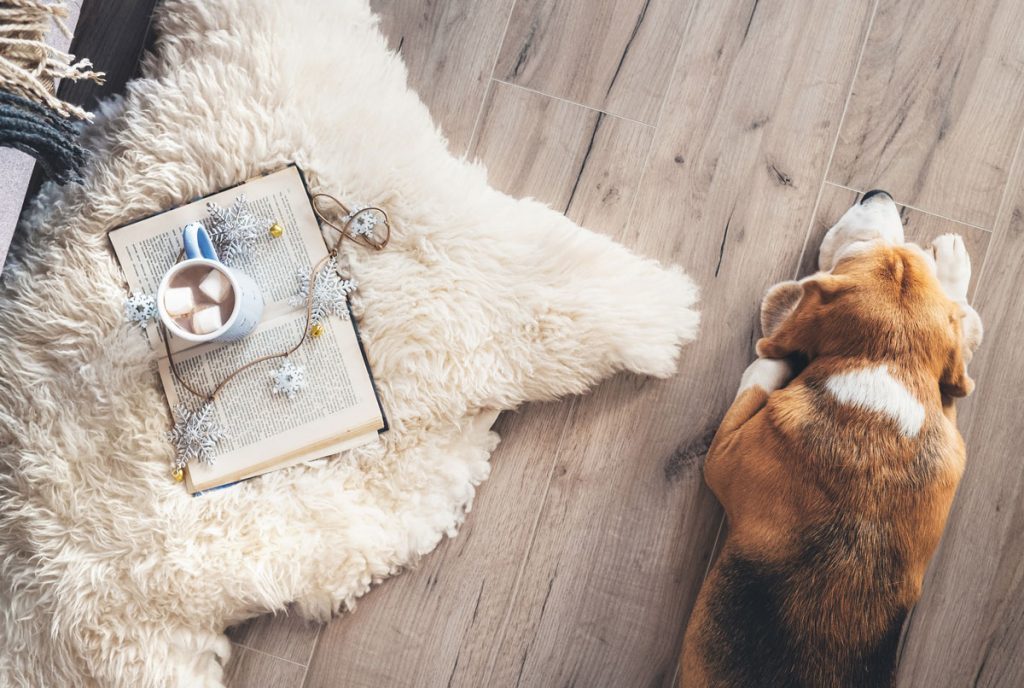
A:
(435, 624)
(937, 105)
(579, 161)
(438, 624)
(968, 628)
(613, 55)
(628, 526)
(449, 48)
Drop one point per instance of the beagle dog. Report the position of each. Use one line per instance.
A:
(837, 462)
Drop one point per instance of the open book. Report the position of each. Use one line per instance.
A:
(338, 409)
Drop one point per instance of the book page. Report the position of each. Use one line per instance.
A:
(337, 403)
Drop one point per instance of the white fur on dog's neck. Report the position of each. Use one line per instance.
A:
(875, 389)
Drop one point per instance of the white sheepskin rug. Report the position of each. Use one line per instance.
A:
(110, 574)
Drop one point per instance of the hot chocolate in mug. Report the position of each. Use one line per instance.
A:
(202, 300)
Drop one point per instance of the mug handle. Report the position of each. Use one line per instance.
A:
(197, 242)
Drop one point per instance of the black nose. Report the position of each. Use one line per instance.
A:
(874, 192)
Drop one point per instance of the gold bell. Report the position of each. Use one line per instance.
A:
(316, 330)
(178, 474)
(276, 230)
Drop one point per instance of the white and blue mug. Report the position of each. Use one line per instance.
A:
(248, 306)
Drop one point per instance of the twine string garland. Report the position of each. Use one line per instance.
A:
(344, 231)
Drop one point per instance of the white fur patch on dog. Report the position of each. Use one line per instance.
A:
(855, 248)
(876, 389)
(769, 374)
(877, 219)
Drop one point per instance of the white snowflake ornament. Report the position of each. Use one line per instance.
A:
(289, 379)
(235, 230)
(364, 222)
(330, 294)
(140, 309)
(195, 435)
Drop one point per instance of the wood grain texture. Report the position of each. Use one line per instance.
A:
(627, 526)
(608, 177)
(435, 625)
(251, 669)
(449, 48)
(919, 227)
(581, 162)
(937, 105)
(968, 628)
(614, 55)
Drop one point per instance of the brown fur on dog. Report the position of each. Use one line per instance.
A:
(833, 508)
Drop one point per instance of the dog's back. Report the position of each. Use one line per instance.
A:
(818, 597)
(836, 487)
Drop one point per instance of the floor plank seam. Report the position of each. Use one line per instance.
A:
(714, 547)
(1003, 202)
(474, 138)
(707, 569)
(312, 651)
(675, 74)
(268, 654)
(514, 593)
(921, 210)
(490, 79)
(835, 141)
(572, 102)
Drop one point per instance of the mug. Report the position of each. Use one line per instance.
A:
(248, 307)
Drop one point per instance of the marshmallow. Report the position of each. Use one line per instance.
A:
(206, 320)
(215, 286)
(178, 302)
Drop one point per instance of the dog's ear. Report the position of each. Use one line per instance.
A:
(778, 304)
(790, 311)
(955, 381)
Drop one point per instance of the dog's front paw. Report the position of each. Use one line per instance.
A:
(952, 265)
(769, 374)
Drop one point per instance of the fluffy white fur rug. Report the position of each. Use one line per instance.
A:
(110, 574)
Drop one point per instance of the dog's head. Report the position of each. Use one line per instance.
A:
(880, 302)
(874, 217)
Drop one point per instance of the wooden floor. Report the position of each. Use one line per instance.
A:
(723, 135)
